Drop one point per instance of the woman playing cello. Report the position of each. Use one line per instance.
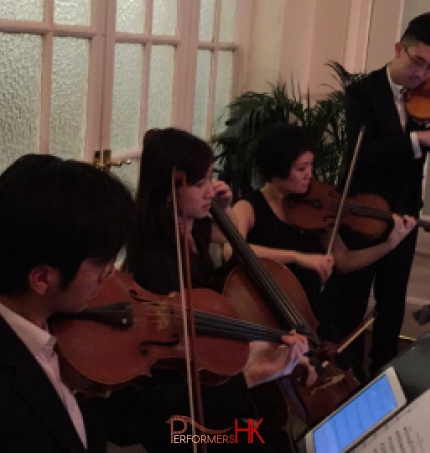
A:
(151, 253)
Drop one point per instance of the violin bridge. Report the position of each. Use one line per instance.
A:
(163, 314)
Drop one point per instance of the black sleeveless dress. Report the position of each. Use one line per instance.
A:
(270, 231)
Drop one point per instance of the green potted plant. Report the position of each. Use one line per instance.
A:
(252, 112)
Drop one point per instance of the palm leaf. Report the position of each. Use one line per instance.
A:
(252, 113)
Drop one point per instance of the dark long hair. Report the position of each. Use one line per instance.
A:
(163, 151)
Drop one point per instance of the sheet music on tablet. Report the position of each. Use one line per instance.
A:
(406, 432)
(364, 412)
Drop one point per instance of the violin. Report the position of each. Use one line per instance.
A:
(367, 214)
(266, 292)
(125, 331)
(418, 102)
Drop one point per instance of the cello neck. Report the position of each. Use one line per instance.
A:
(280, 302)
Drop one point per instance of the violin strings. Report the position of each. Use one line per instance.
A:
(231, 325)
(369, 211)
(226, 326)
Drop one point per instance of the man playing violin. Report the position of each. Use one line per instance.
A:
(390, 164)
(61, 227)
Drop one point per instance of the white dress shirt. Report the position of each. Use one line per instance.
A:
(399, 99)
(41, 345)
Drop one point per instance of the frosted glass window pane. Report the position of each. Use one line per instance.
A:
(207, 15)
(69, 97)
(227, 31)
(128, 174)
(201, 99)
(161, 86)
(127, 93)
(130, 16)
(164, 18)
(72, 12)
(21, 9)
(224, 81)
(20, 86)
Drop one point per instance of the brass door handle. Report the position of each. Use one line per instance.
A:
(103, 160)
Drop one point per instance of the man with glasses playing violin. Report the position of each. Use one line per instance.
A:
(390, 163)
(62, 224)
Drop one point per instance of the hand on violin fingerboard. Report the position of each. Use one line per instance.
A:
(402, 227)
(268, 361)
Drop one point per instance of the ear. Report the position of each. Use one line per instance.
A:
(398, 47)
(43, 278)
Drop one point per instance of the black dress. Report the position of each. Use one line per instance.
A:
(156, 268)
(270, 231)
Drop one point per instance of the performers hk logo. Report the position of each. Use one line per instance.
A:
(211, 436)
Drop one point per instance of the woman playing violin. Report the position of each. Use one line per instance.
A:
(151, 251)
(284, 158)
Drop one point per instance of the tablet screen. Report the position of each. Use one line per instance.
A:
(360, 415)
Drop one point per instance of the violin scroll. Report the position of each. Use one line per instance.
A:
(418, 103)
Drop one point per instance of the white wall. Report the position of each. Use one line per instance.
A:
(296, 38)
(265, 46)
(385, 30)
(329, 40)
(413, 8)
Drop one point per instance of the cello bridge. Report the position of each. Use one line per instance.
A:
(328, 382)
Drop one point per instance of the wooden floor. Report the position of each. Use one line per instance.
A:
(418, 295)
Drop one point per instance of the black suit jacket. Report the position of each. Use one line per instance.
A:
(385, 163)
(33, 418)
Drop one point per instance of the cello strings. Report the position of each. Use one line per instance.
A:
(254, 266)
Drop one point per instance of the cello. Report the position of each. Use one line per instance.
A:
(266, 292)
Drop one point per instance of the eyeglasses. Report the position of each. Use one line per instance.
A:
(417, 63)
(107, 271)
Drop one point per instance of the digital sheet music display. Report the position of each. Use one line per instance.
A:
(360, 414)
